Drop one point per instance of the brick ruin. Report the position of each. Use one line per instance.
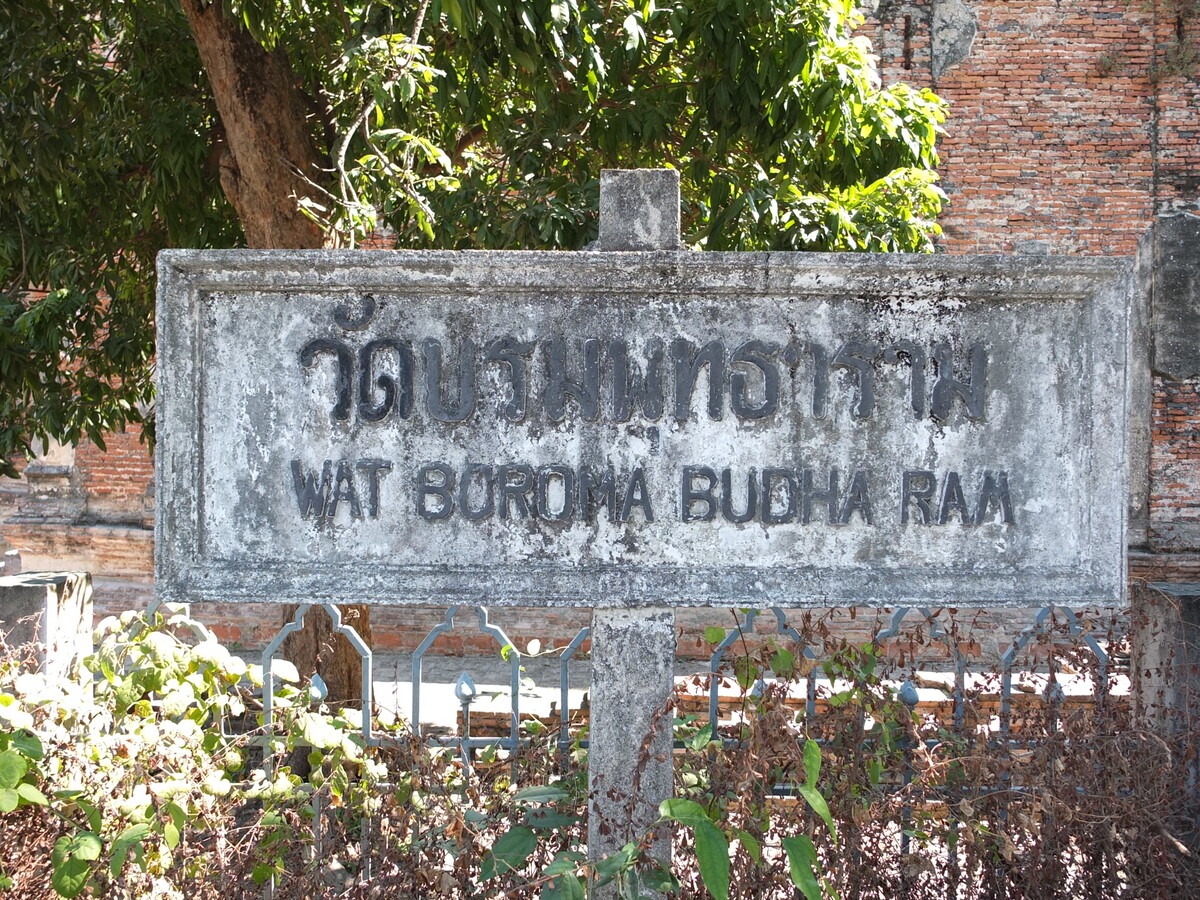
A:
(1074, 129)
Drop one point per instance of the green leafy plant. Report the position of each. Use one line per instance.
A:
(145, 772)
(712, 833)
(20, 753)
(137, 755)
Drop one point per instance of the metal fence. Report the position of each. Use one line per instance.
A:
(1063, 663)
(1057, 625)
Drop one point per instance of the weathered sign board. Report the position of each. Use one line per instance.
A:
(643, 428)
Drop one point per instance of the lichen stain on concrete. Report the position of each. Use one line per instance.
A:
(954, 28)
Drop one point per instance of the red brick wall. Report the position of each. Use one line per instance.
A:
(117, 480)
(1177, 112)
(249, 627)
(1175, 464)
(1063, 126)
(1066, 127)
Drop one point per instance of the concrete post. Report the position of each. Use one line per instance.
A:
(1166, 655)
(630, 770)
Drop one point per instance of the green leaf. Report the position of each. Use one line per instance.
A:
(613, 864)
(564, 887)
(819, 806)
(812, 761)
(92, 811)
(9, 800)
(714, 634)
(13, 767)
(540, 793)
(747, 672)
(524, 60)
(750, 842)
(177, 814)
(509, 853)
(702, 738)
(565, 863)
(560, 13)
(802, 862)
(126, 693)
(12, 712)
(685, 812)
(339, 782)
(783, 663)
(117, 862)
(635, 37)
(316, 731)
(179, 701)
(29, 745)
(70, 877)
(171, 834)
(127, 840)
(659, 879)
(712, 851)
(86, 845)
(875, 769)
(30, 794)
(549, 818)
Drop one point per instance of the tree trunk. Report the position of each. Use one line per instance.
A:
(318, 648)
(269, 162)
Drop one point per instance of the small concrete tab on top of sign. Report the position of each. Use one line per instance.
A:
(641, 428)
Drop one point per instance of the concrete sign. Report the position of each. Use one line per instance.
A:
(642, 428)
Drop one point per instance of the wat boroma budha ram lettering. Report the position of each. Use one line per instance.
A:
(629, 428)
(390, 380)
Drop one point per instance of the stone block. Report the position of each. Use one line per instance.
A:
(1166, 654)
(1177, 296)
(52, 610)
(629, 768)
(639, 209)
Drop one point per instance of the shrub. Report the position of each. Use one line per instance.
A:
(149, 774)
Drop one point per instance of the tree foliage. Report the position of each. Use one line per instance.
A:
(103, 153)
(771, 111)
(448, 123)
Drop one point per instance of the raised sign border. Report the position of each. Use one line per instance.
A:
(183, 573)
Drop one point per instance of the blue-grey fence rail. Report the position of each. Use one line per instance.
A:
(1077, 631)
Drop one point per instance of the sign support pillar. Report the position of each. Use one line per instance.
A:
(630, 768)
